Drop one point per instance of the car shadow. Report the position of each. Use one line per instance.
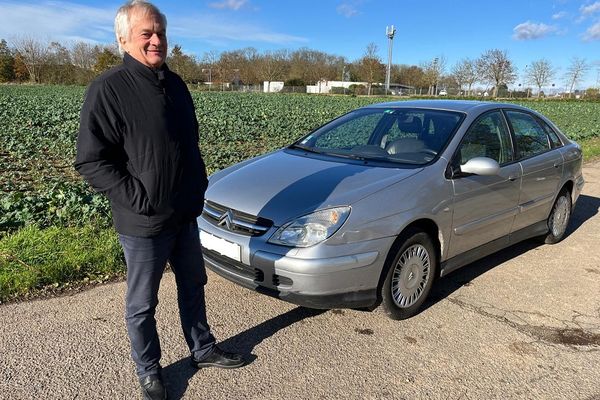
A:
(450, 283)
(586, 208)
(178, 374)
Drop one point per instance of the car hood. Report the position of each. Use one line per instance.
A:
(284, 185)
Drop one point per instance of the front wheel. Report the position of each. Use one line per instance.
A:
(559, 218)
(410, 276)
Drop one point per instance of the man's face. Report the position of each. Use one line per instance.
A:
(147, 41)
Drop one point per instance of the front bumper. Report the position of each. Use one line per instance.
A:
(324, 283)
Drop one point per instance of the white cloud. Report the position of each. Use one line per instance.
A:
(68, 22)
(216, 30)
(229, 4)
(56, 21)
(559, 15)
(590, 9)
(530, 30)
(347, 10)
(593, 32)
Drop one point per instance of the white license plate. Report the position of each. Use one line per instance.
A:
(221, 246)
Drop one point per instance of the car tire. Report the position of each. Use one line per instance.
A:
(410, 275)
(559, 217)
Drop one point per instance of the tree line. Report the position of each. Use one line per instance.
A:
(30, 60)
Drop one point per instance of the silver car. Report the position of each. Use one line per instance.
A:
(373, 206)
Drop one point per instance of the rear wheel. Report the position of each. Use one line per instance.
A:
(558, 221)
(410, 276)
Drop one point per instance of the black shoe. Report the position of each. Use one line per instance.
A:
(153, 388)
(220, 359)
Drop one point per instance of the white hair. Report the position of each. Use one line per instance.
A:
(123, 18)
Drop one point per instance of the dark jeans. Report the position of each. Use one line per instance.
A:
(146, 259)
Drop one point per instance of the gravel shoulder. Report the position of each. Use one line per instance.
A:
(523, 323)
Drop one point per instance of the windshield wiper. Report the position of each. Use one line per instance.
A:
(341, 155)
(305, 148)
(347, 155)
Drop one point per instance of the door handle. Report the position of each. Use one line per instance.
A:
(512, 178)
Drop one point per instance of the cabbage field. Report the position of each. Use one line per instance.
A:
(39, 127)
(40, 189)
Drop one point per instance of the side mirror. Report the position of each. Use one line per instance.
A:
(481, 166)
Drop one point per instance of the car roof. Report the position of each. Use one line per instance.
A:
(465, 106)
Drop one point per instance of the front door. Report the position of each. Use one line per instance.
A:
(485, 206)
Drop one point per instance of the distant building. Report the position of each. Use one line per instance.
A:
(397, 89)
(325, 86)
(272, 86)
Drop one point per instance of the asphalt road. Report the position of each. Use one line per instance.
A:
(521, 324)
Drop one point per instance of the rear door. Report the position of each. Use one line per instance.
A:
(542, 166)
(485, 206)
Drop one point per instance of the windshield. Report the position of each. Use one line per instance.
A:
(402, 135)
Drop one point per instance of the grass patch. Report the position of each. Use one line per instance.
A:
(591, 148)
(33, 258)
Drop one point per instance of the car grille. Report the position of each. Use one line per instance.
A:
(234, 220)
(244, 270)
(234, 266)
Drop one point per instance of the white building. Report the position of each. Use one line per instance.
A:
(272, 86)
(324, 86)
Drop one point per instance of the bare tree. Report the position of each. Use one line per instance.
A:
(496, 68)
(84, 55)
(33, 54)
(540, 73)
(434, 70)
(335, 67)
(208, 65)
(248, 73)
(229, 63)
(465, 74)
(58, 67)
(576, 72)
(370, 67)
(232, 64)
(310, 66)
(272, 66)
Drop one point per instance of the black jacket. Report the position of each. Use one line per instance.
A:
(138, 144)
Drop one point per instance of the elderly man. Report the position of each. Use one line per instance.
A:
(138, 144)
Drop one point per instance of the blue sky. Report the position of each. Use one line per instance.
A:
(529, 30)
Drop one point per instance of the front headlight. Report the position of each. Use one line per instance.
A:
(312, 228)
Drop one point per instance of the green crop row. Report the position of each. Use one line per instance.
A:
(38, 131)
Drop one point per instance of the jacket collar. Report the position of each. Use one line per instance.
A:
(150, 73)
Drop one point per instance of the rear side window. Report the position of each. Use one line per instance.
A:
(554, 139)
(531, 138)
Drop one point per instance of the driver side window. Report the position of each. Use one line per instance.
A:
(487, 137)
